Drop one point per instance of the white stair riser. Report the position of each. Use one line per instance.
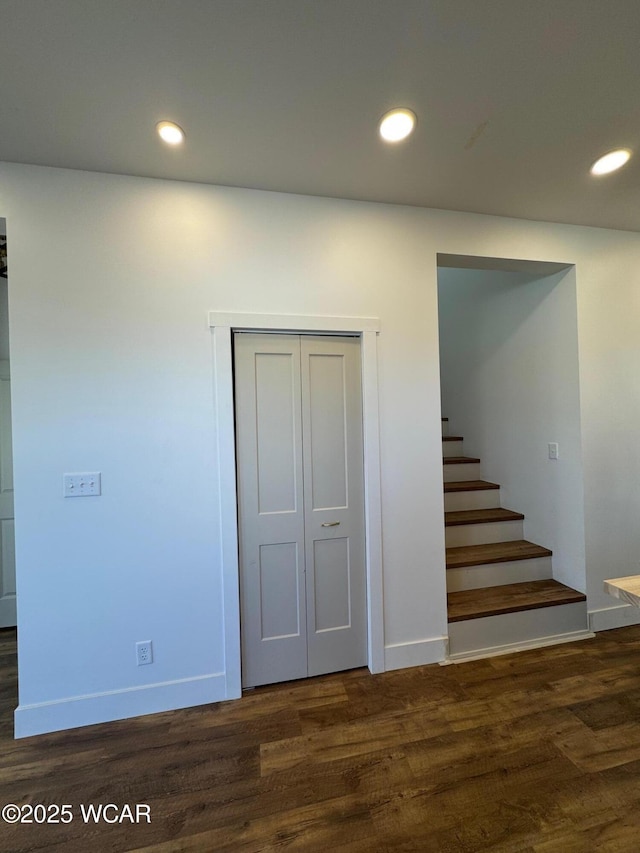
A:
(487, 633)
(464, 471)
(452, 448)
(482, 534)
(499, 574)
(445, 427)
(477, 499)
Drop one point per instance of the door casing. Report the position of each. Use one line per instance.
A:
(7, 546)
(222, 325)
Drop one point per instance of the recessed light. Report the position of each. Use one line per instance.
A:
(611, 161)
(170, 132)
(397, 124)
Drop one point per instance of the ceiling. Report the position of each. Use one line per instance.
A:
(515, 98)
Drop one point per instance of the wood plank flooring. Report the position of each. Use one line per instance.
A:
(537, 752)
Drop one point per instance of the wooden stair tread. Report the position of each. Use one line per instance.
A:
(459, 460)
(480, 516)
(452, 438)
(494, 552)
(511, 598)
(469, 486)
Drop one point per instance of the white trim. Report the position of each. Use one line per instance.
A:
(372, 500)
(292, 323)
(222, 324)
(416, 653)
(619, 616)
(228, 519)
(70, 713)
(510, 648)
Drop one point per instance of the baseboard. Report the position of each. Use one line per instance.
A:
(509, 648)
(76, 711)
(417, 653)
(8, 617)
(619, 616)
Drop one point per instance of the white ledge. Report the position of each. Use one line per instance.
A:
(626, 589)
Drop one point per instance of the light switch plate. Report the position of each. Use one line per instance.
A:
(81, 485)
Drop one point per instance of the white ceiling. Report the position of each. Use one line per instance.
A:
(515, 98)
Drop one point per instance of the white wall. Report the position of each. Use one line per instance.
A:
(112, 279)
(510, 385)
(112, 369)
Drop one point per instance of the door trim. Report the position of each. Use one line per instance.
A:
(222, 325)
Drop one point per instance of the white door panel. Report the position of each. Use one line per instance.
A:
(334, 507)
(331, 585)
(276, 415)
(279, 591)
(7, 542)
(301, 515)
(325, 425)
(271, 513)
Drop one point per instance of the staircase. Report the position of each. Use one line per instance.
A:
(501, 595)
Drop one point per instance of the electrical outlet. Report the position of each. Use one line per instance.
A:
(553, 450)
(144, 652)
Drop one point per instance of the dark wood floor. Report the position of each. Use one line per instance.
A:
(538, 751)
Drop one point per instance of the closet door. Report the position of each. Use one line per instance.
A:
(7, 541)
(300, 500)
(334, 503)
(271, 509)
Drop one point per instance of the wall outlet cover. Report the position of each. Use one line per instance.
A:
(83, 485)
(144, 652)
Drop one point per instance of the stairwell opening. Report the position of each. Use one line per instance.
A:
(510, 389)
